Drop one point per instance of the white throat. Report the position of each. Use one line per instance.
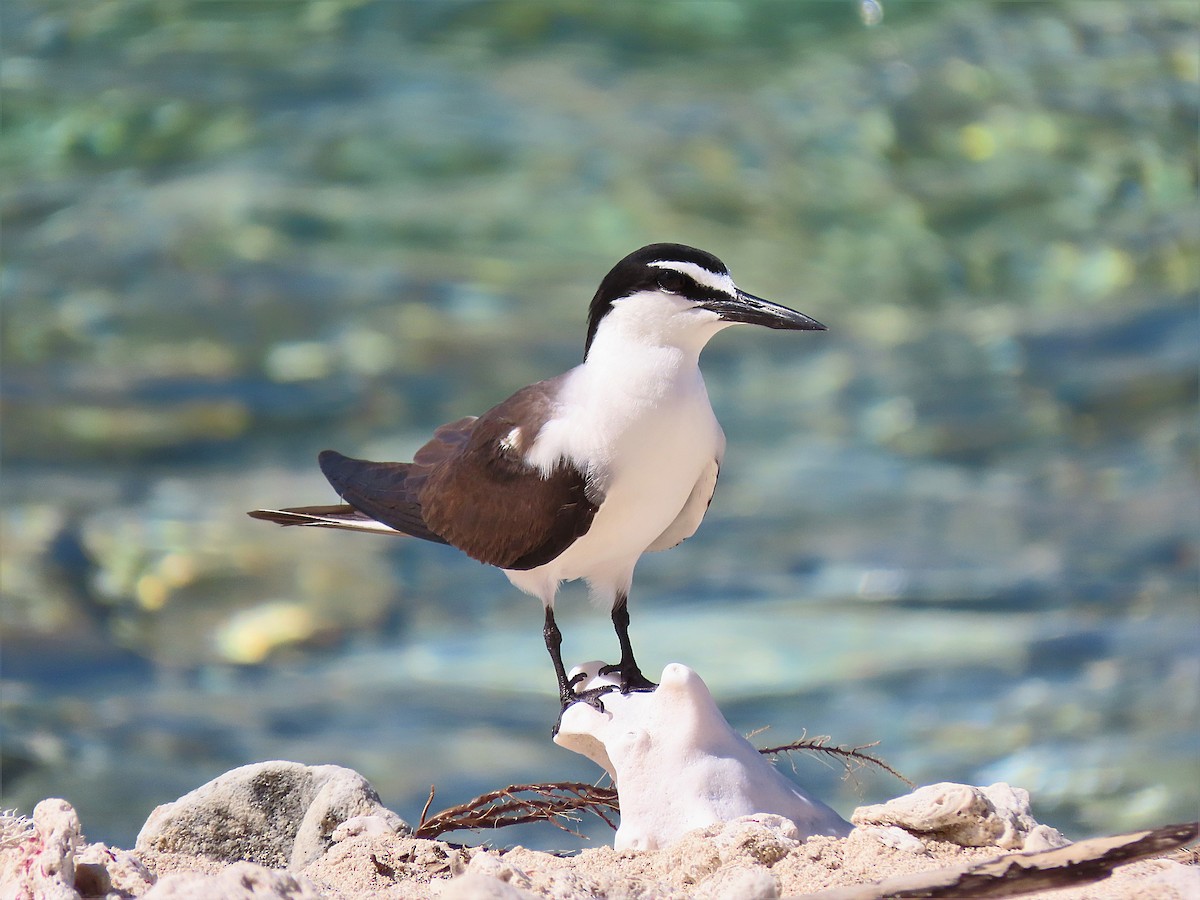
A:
(650, 321)
(641, 376)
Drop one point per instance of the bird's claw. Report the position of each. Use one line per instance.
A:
(569, 697)
(632, 678)
(591, 696)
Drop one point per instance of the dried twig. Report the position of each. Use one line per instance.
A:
(853, 758)
(560, 802)
(428, 803)
(553, 803)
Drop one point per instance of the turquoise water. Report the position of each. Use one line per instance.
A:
(963, 522)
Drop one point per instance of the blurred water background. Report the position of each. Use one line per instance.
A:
(963, 522)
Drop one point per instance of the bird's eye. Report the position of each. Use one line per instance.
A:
(671, 281)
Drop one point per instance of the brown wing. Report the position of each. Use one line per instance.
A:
(446, 440)
(487, 501)
(470, 487)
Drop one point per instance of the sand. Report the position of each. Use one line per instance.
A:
(752, 858)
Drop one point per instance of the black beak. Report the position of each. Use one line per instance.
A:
(751, 310)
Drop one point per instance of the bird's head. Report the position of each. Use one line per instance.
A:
(676, 294)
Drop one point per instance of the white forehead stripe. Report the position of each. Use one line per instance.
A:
(700, 275)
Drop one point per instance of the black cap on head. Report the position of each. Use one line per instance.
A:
(634, 273)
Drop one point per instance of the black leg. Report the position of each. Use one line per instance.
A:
(632, 678)
(554, 645)
(566, 688)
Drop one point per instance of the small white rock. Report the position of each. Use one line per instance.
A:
(1043, 837)
(126, 873)
(762, 838)
(897, 838)
(994, 816)
(38, 857)
(374, 826)
(738, 882)
(240, 881)
(475, 886)
(496, 867)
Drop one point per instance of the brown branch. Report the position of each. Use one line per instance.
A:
(855, 754)
(425, 808)
(551, 803)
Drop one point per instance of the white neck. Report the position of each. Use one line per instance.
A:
(650, 321)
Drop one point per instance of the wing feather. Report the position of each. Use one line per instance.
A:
(471, 487)
(498, 508)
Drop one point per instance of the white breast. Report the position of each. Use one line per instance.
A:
(647, 433)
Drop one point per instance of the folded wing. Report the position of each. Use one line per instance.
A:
(469, 486)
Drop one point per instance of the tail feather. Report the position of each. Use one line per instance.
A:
(383, 498)
(341, 516)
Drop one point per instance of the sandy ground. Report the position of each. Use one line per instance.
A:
(751, 858)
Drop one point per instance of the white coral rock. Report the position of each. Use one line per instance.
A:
(677, 764)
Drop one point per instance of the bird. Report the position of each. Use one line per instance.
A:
(577, 476)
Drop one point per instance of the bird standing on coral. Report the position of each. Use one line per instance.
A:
(579, 475)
